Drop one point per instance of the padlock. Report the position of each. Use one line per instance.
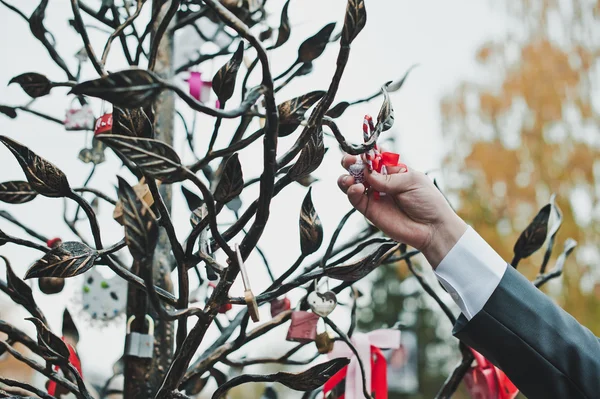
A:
(86, 155)
(142, 190)
(97, 151)
(303, 328)
(279, 305)
(104, 124)
(324, 343)
(138, 344)
(248, 294)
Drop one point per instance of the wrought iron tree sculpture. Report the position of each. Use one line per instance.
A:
(140, 132)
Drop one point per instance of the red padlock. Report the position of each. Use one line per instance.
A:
(303, 328)
(225, 308)
(103, 124)
(279, 305)
(486, 381)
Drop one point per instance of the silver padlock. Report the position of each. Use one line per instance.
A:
(138, 344)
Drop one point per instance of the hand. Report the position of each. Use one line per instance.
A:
(413, 211)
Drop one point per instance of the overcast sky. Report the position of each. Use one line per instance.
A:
(439, 35)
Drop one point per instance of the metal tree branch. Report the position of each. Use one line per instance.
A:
(54, 376)
(80, 27)
(27, 387)
(117, 32)
(149, 277)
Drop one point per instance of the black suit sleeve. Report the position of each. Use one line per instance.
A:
(545, 352)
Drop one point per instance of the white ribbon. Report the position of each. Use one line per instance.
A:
(384, 338)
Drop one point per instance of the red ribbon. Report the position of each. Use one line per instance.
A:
(379, 386)
(385, 159)
(486, 381)
(382, 159)
(376, 159)
(74, 360)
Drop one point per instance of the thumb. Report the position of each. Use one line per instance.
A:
(395, 183)
(357, 197)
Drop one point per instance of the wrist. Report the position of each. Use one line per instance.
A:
(444, 236)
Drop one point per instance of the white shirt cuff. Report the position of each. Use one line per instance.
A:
(470, 272)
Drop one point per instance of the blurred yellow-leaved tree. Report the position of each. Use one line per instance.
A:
(529, 126)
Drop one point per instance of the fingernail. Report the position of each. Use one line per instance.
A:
(346, 180)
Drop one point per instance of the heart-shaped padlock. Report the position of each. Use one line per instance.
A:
(322, 304)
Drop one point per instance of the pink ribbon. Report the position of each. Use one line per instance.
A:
(195, 82)
(384, 338)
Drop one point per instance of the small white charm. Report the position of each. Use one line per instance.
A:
(79, 118)
(103, 298)
(322, 304)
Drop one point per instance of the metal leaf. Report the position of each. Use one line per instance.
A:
(52, 345)
(194, 385)
(69, 259)
(131, 88)
(385, 119)
(310, 157)
(552, 233)
(357, 270)
(311, 229)
(313, 47)
(197, 215)
(312, 378)
(16, 192)
(397, 84)
(34, 84)
(154, 157)
(231, 183)
(36, 25)
(141, 227)
(193, 201)
(11, 112)
(569, 246)
(3, 238)
(43, 176)
(355, 20)
(265, 34)
(291, 112)
(533, 237)
(308, 380)
(134, 122)
(337, 110)
(284, 27)
(22, 294)
(36, 20)
(307, 181)
(69, 329)
(305, 69)
(223, 83)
